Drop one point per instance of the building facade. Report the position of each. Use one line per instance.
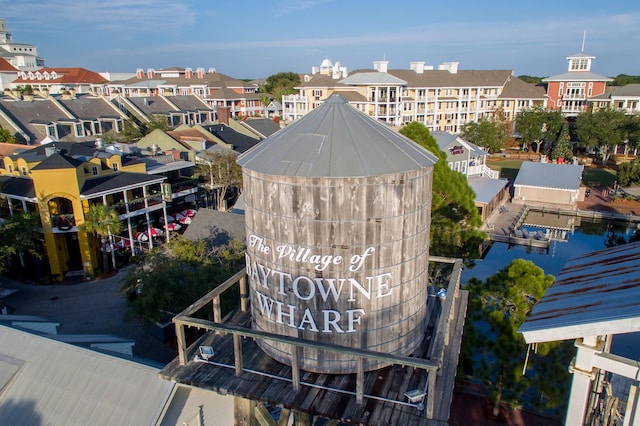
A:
(22, 56)
(572, 91)
(443, 98)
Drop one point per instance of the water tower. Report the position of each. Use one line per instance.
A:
(338, 210)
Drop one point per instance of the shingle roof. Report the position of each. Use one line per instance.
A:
(336, 140)
(515, 88)
(265, 127)
(58, 162)
(66, 76)
(5, 66)
(486, 188)
(17, 186)
(117, 181)
(577, 76)
(217, 226)
(548, 175)
(240, 142)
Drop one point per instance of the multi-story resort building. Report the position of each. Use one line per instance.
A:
(442, 99)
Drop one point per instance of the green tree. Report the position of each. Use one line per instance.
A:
(530, 79)
(629, 173)
(489, 133)
(103, 221)
(603, 129)
(455, 220)
(172, 277)
(18, 235)
(496, 310)
(7, 137)
(632, 132)
(624, 79)
(282, 83)
(222, 174)
(537, 124)
(157, 121)
(130, 133)
(562, 148)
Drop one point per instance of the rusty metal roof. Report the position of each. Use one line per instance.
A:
(594, 294)
(336, 140)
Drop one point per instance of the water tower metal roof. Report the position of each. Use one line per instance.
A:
(336, 140)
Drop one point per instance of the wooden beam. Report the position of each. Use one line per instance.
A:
(243, 410)
(244, 294)
(182, 344)
(359, 380)
(284, 417)
(301, 419)
(237, 353)
(295, 367)
(217, 310)
(263, 416)
(424, 364)
(216, 291)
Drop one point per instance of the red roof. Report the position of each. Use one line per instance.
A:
(6, 66)
(65, 75)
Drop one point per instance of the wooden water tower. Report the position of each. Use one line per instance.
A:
(337, 212)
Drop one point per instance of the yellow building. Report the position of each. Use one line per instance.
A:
(59, 182)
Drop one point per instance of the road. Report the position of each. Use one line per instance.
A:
(90, 307)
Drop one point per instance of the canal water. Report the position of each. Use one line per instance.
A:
(586, 236)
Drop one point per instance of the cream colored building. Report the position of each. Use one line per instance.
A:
(442, 98)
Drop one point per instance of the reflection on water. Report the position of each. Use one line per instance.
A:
(587, 236)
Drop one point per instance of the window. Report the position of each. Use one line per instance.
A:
(94, 171)
(115, 167)
(10, 168)
(23, 170)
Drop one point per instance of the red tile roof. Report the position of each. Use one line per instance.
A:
(6, 66)
(66, 75)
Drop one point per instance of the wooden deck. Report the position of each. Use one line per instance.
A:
(240, 368)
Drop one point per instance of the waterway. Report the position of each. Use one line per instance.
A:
(586, 236)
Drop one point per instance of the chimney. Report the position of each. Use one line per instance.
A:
(200, 72)
(188, 73)
(150, 72)
(139, 73)
(380, 66)
(452, 67)
(50, 150)
(418, 67)
(99, 143)
(224, 113)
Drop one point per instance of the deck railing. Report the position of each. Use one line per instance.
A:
(432, 363)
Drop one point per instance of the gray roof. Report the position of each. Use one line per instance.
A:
(336, 140)
(548, 175)
(578, 76)
(445, 139)
(44, 381)
(373, 78)
(264, 127)
(486, 188)
(594, 294)
(217, 226)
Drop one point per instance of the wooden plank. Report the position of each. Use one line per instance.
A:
(295, 367)
(360, 381)
(243, 411)
(237, 351)
(182, 344)
(263, 416)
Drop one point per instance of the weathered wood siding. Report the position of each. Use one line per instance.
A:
(390, 215)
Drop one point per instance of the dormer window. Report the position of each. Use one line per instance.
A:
(24, 171)
(54, 75)
(47, 76)
(10, 168)
(115, 167)
(38, 75)
(94, 170)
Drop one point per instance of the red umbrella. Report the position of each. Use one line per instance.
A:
(188, 212)
(173, 226)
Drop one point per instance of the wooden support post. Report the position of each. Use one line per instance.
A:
(237, 353)
(263, 416)
(243, 410)
(244, 294)
(182, 343)
(284, 417)
(431, 394)
(295, 367)
(217, 311)
(359, 380)
(301, 419)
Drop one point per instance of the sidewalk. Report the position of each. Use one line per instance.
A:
(87, 307)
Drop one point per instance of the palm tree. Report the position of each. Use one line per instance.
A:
(104, 221)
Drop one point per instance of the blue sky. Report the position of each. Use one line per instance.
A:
(257, 38)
